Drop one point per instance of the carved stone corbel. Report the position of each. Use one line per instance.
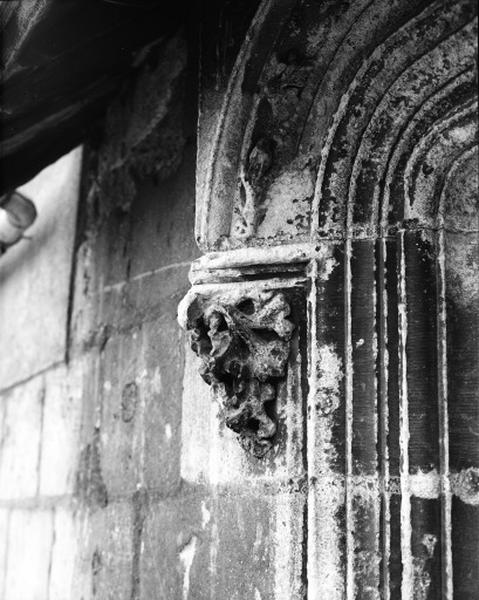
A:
(243, 340)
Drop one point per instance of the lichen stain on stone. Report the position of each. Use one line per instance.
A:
(288, 544)
(421, 576)
(258, 544)
(129, 401)
(288, 204)
(426, 169)
(365, 489)
(429, 542)
(330, 374)
(150, 381)
(326, 261)
(425, 484)
(366, 566)
(465, 485)
(460, 204)
(186, 556)
(325, 561)
(274, 195)
(327, 486)
(365, 505)
(205, 515)
(462, 266)
(89, 485)
(96, 567)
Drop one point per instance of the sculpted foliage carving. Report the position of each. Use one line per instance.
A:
(243, 341)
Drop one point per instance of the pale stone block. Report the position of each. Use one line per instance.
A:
(21, 440)
(35, 276)
(105, 552)
(4, 518)
(61, 427)
(63, 555)
(29, 554)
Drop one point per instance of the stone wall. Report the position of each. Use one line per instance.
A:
(115, 482)
(40, 404)
(333, 315)
(91, 500)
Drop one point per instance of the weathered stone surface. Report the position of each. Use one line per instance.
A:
(21, 440)
(313, 149)
(206, 435)
(210, 540)
(104, 562)
(29, 550)
(350, 131)
(69, 455)
(243, 341)
(128, 271)
(35, 276)
(139, 432)
(341, 174)
(174, 526)
(253, 506)
(61, 422)
(4, 523)
(63, 554)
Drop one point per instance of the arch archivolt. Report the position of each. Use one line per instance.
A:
(313, 123)
(342, 183)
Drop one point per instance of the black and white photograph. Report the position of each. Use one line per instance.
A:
(239, 300)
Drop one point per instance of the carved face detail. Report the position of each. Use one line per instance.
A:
(244, 347)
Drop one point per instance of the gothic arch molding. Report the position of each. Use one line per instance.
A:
(341, 180)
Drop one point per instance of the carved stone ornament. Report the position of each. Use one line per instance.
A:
(243, 341)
